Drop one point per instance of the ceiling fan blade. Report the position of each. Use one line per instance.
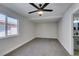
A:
(47, 10)
(33, 5)
(44, 5)
(32, 11)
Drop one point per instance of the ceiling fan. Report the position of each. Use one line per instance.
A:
(40, 9)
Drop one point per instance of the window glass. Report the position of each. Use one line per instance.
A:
(11, 26)
(2, 25)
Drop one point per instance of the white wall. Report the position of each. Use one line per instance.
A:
(47, 30)
(26, 32)
(66, 29)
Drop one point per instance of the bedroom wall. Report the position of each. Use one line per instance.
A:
(47, 30)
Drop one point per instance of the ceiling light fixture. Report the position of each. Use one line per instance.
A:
(40, 13)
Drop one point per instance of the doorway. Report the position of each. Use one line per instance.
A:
(76, 32)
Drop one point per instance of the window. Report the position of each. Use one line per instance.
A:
(8, 26)
(11, 26)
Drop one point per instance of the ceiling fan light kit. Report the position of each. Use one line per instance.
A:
(40, 9)
(40, 13)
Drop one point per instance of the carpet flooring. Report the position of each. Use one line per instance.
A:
(40, 47)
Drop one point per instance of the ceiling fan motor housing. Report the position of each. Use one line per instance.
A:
(40, 5)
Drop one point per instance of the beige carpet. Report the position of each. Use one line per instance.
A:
(40, 47)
